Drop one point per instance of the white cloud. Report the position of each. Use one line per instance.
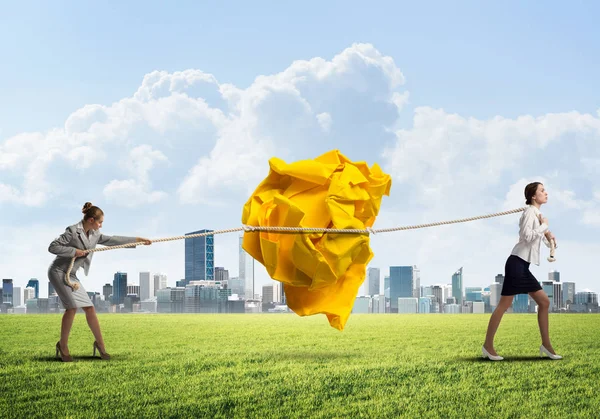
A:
(184, 140)
(131, 193)
(324, 121)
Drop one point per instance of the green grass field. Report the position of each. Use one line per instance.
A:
(281, 365)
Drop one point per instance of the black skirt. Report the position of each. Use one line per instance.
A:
(517, 277)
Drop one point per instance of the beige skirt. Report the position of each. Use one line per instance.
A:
(68, 297)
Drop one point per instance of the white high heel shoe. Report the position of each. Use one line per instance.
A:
(543, 351)
(486, 354)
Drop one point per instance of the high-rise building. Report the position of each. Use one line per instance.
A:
(28, 294)
(496, 289)
(199, 257)
(146, 291)
(246, 270)
(386, 287)
(107, 291)
(160, 282)
(35, 284)
(373, 281)
(568, 293)
(438, 293)
(554, 276)
(548, 287)
(424, 305)
(473, 294)
(557, 302)
(119, 288)
(206, 297)
(457, 286)
(499, 279)
(416, 282)
(170, 300)
(378, 304)
(278, 295)
(51, 290)
(267, 294)
(237, 286)
(133, 289)
(7, 291)
(17, 297)
(521, 303)
(221, 274)
(401, 285)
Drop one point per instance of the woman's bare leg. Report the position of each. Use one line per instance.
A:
(543, 302)
(94, 324)
(65, 329)
(503, 305)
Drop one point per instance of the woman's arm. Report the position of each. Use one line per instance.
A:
(118, 240)
(60, 247)
(526, 230)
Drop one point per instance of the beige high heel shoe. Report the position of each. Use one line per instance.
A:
(103, 355)
(63, 357)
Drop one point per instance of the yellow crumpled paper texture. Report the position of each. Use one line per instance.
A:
(321, 273)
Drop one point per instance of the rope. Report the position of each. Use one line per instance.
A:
(304, 230)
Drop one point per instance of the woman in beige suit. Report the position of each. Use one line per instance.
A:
(74, 241)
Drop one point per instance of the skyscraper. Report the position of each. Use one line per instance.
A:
(199, 257)
(267, 296)
(28, 294)
(221, 274)
(7, 291)
(35, 284)
(499, 279)
(160, 282)
(246, 271)
(373, 281)
(17, 297)
(496, 289)
(401, 285)
(416, 282)
(119, 288)
(521, 303)
(145, 290)
(107, 291)
(457, 286)
(568, 293)
(554, 276)
(51, 290)
(278, 295)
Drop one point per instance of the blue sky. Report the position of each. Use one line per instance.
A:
(533, 66)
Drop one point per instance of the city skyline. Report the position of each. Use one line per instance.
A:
(163, 276)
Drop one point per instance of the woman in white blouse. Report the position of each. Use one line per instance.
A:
(533, 229)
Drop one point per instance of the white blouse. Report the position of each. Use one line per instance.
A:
(531, 234)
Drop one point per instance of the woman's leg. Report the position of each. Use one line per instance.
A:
(543, 303)
(65, 329)
(94, 324)
(503, 305)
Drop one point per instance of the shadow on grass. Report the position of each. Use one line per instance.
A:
(83, 358)
(506, 359)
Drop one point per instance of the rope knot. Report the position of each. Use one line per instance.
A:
(249, 228)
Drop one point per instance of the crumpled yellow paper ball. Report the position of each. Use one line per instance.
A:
(321, 272)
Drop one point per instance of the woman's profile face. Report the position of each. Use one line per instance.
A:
(541, 196)
(97, 223)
